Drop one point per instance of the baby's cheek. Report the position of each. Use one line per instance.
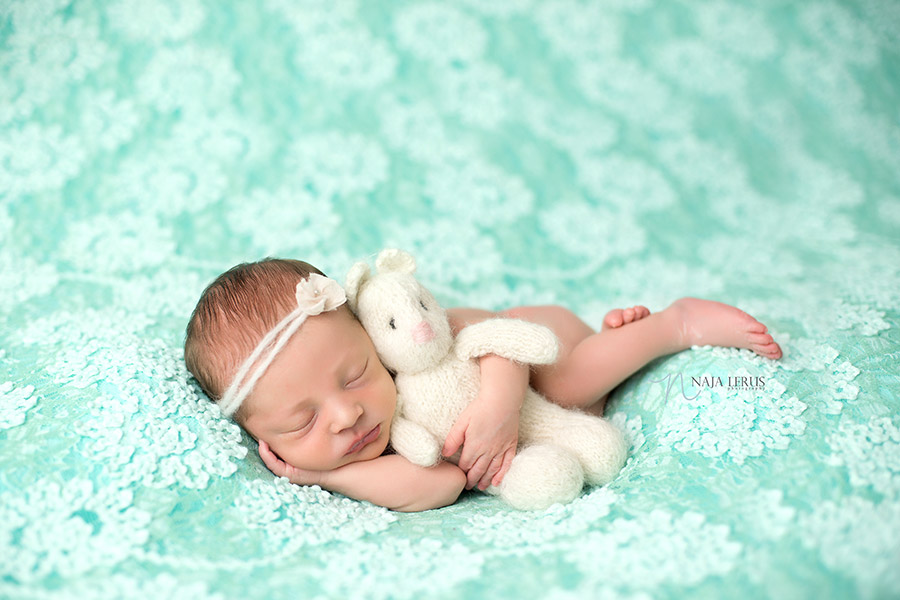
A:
(389, 393)
(382, 442)
(295, 454)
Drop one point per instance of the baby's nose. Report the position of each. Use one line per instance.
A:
(345, 415)
(423, 333)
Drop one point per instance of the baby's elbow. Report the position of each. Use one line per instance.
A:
(442, 488)
(456, 483)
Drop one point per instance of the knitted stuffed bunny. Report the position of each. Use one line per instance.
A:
(437, 377)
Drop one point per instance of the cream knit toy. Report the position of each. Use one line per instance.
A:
(436, 377)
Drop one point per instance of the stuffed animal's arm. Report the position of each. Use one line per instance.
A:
(415, 443)
(513, 339)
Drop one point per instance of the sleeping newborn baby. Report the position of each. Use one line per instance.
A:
(274, 343)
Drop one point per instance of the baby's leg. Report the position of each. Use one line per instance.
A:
(563, 382)
(572, 380)
(590, 364)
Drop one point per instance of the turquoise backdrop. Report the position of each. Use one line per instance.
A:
(593, 154)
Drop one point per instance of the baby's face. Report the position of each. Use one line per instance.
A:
(326, 400)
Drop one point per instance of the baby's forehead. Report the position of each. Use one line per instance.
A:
(340, 324)
(325, 339)
(324, 344)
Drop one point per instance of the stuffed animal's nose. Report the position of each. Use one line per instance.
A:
(423, 333)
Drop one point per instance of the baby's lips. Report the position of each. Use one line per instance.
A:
(423, 333)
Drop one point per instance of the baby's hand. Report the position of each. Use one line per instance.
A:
(488, 429)
(488, 435)
(282, 469)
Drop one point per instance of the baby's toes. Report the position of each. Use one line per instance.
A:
(760, 339)
(754, 326)
(771, 350)
(613, 319)
(635, 313)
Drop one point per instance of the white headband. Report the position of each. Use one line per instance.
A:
(315, 295)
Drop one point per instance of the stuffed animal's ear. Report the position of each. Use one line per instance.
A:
(391, 260)
(356, 277)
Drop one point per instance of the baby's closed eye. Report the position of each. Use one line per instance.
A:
(304, 422)
(357, 377)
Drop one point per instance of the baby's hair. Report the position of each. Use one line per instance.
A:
(234, 313)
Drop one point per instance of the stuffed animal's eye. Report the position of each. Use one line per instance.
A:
(422, 304)
(392, 324)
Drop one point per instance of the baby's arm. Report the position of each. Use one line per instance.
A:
(390, 481)
(488, 428)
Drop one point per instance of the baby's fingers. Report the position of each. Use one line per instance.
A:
(490, 474)
(508, 457)
(475, 474)
(272, 462)
(455, 439)
(283, 469)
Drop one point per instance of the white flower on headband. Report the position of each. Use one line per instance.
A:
(318, 294)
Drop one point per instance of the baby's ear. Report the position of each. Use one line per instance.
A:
(356, 277)
(391, 260)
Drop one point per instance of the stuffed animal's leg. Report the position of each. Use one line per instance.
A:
(539, 477)
(598, 444)
(415, 443)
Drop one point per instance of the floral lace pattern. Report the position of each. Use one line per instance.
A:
(582, 152)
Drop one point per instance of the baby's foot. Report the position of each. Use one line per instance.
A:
(623, 316)
(709, 323)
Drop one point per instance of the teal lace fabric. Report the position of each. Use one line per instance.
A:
(592, 154)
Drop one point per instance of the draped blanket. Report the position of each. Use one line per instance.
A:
(594, 154)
